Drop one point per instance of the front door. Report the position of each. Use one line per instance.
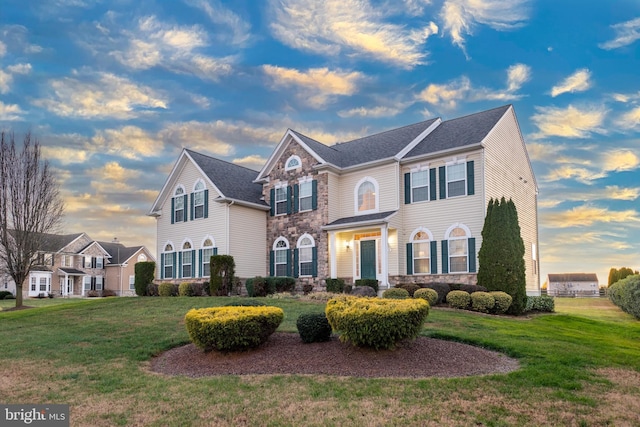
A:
(367, 259)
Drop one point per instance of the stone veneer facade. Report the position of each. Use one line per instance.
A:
(292, 226)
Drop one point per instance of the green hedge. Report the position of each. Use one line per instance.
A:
(144, 273)
(374, 322)
(165, 289)
(262, 286)
(395, 293)
(482, 302)
(428, 294)
(373, 283)
(459, 299)
(543, 303)
(3, 294)
(625, 294)
(232, 328)
(313, 327)
(503, 301)
(335, 285)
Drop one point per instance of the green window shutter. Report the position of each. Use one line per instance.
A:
(93, 262)
(175, 265)
(432, 184)
(472, 254)
(215, 251)
(162, 266)
(296, 193)
(200, 266)
(442, 171)
(173, 207)
(470, 179)
(314, 261)
(434, 257)
(407, 188)
(191, 207)
(179, 275)
(445, 256)
(272, 263)
(296, 266)
(206, 203)
(193, 263)
(289, 197)
(314, 194)
(409, 258)
(186, 203)
(289, 262)
(272, 201)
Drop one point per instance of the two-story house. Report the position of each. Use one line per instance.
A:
(75, 264)
(402, 206)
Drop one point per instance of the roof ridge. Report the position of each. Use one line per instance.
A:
(221, 160)
(389, 130)
(477, 113)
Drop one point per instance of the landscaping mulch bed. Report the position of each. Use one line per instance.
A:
(285, 353)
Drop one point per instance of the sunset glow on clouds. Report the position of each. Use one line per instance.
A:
(115, 90)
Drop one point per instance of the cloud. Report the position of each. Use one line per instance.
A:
(218, 14)
(114, 177)
(577, 82)
(65, 155)
(130, 142)
(254, 161)
(175, 48)
(620, 160)
(317, 86)
(581, 174)
(374, 112)
(586, 215)
(19, 68)
(626, 33)
(3, 49)
(348, 27)
(446, 95)
(461, 16)
(630, 119)
(544, 152)
(216, 138)
(5, 80)
(100, 96)
(10, 112)
(570, 122)
(517, 75)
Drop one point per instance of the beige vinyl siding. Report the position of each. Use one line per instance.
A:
(508, 173)
(440, 214)
(334, 197)
(345, 258)
(215, 225)
(248, 234)
(388, 189)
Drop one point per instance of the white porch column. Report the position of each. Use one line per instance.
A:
(333, 265)
(384, 248)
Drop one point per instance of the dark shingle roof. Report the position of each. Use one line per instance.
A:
(119, 253)
(369, 148)
(573, 277)
(460, 132)
(55, 242)
(235, 182)
(358, 219)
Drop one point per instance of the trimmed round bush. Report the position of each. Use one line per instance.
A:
(313, 327)
(395, 293)
(503, 301)
(335, 285)
(472, 288)
(482, 302)
(459, 299)
(442, 289)
(165, 289)
(410, 287)
(232, 328)
(376, 322)
(4, 294)
(427, 294)
(185, 290)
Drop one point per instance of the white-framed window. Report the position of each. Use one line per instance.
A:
(457, 179)
(305, 255)
(293, 162)
(33, 284)
(207, 253)
(178, 205)
(366, 195)
(420, 185)
(198, 200)
(187, 260)
(305, 198)
(421, 251)
(99, 262)
(280, 259)
(43, 284)
(87, 261)
(132, 283)
(281, 200)
(99, 283)
(86, 283)
(167, 258)
(457, 239)
(67, 260)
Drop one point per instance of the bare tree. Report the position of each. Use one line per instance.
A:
(30, 206)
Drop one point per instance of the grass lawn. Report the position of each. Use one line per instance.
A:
(579, 366)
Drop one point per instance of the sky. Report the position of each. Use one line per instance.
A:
(114, 90)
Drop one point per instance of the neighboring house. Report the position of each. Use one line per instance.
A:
(120, 269)
(573, 284)
(75, 264)
(402, 206)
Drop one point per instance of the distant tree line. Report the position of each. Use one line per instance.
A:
(619, 274)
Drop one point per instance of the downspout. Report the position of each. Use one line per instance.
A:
(227, 228)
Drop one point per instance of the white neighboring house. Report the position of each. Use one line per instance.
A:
(402, 206)
(573, 285)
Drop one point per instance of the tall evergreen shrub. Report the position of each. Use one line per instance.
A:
(144, 273)
(223, 270)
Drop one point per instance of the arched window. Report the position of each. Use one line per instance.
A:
(281, 257)
(458, 248)
(207, 251)
(168, 259)
(187, 259)
(199, 200)
(293, 162)
(366, 196)
(421, 251)
(305, 256)
(142, 258)
(179, 204)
